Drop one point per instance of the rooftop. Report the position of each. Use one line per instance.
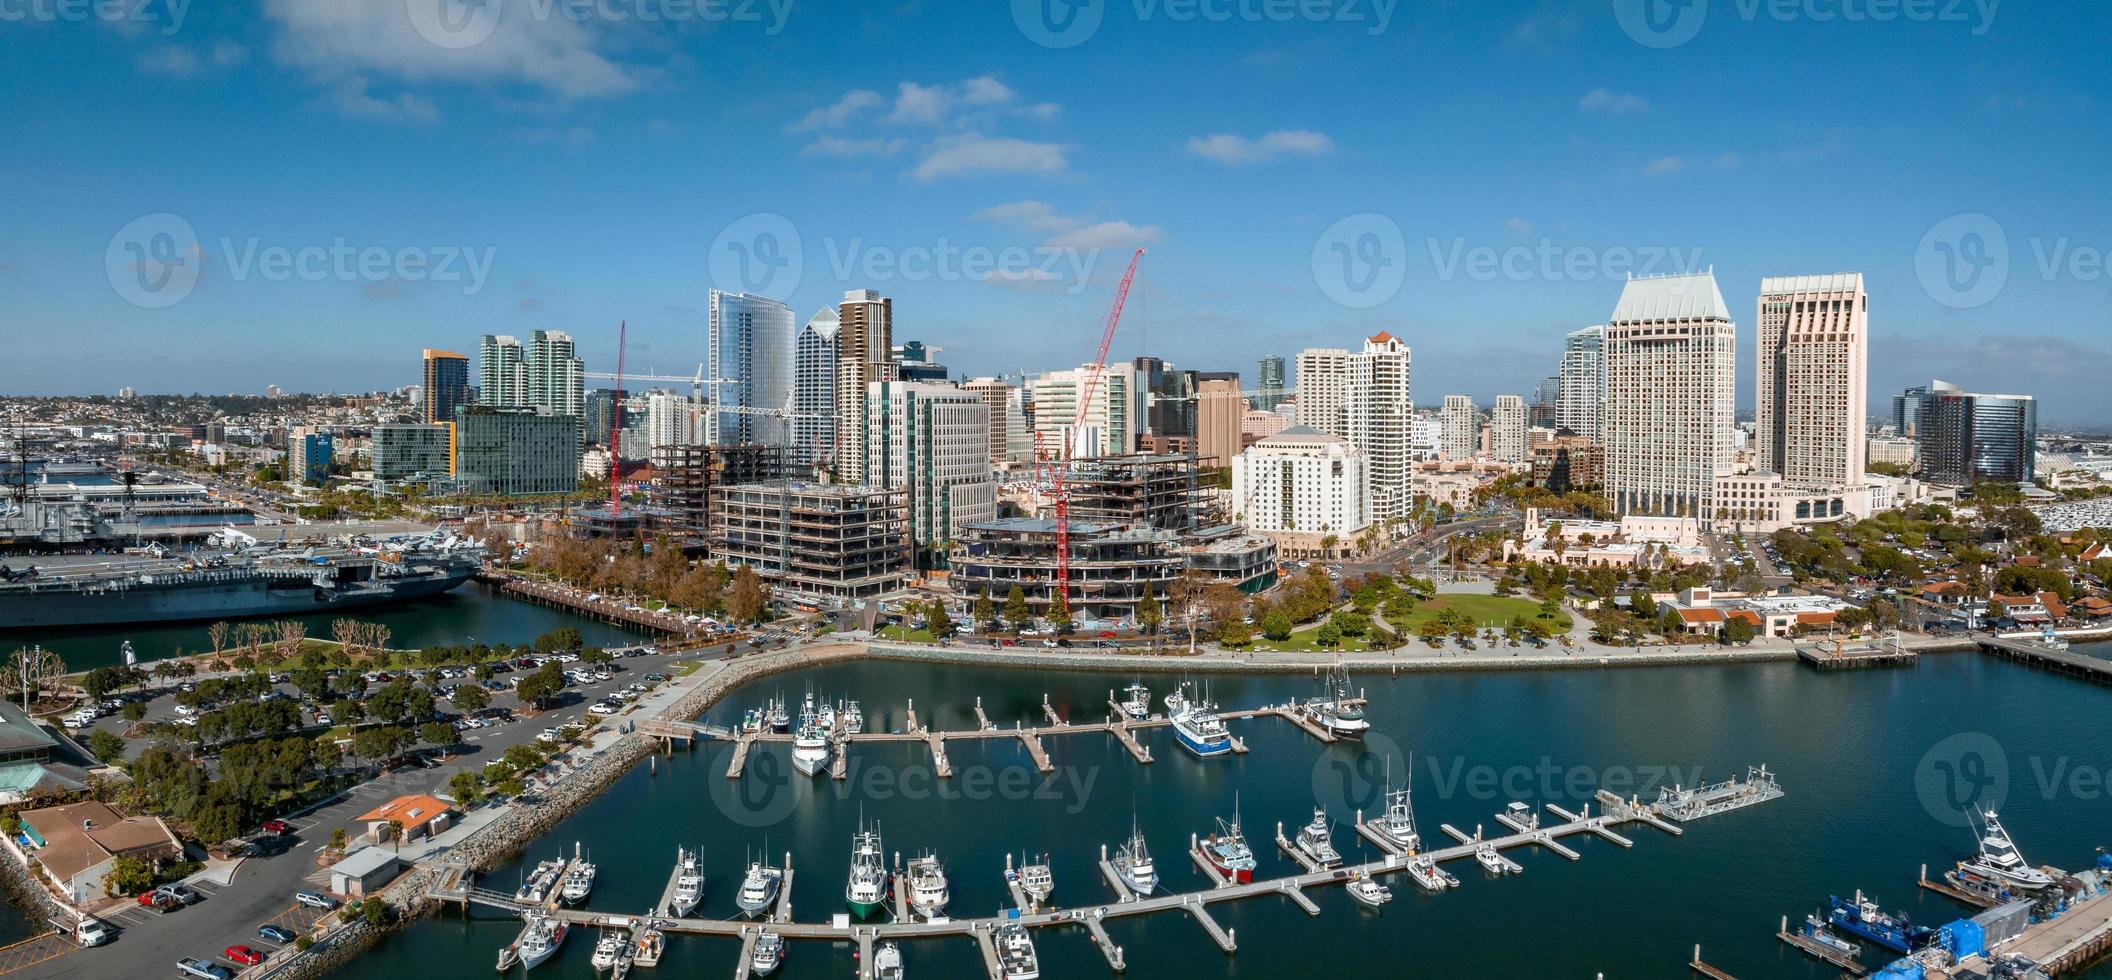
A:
(364, 861)
(19, 734)
(1690, 296)
(409, 810)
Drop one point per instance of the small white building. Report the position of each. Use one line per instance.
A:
(1302, 486)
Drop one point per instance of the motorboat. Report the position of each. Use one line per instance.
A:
(1227, 850)
(887, 962)
(1365, 890)
(1491, 861)
(536, 888)
(759, 888)
(853, 717)
(866, 891)
(1999, 863)
(1340, 710)
(1037, 880)
(1137, 706)
(1015, 953)
(1397, 824)
(1316, 841)
(928, 893)
(1177, 700)
(780, 716)
(769, 952)
(648, 945)
(1431, 877)
(605, 950)
(1200, 730)
(689, 884)
(540, 940)
(579, 882)
(810, 746)
(1816, 928)
(1134, 866)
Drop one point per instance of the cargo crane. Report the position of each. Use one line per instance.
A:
(1085, 400)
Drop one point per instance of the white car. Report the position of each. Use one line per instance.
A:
(547, 735)
(604, 708)
(186, 711)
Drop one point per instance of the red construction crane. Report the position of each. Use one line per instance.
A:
(1085, 400)
(616, 428)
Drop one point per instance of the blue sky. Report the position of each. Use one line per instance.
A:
(607, 166)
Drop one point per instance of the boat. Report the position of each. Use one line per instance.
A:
(753, 719)
(1015, 953)
(866, 891)
(1316, 842)
(810, 747)
(626, 954)
(769, 952)
(1397, 824)
(2052, 640)
(1137, 706)
(1134, 866)
(1036, 879)
(689, 884)
(579, 882)
(1200, 730)
(1431, 877)
(1491, 861)
(780, 717)
(928, 893)
(1177, 700)
(887, 962)
(1365, 890)
(1340, 710)
(1999, 864)
(1522, 817)
(1227, 850)
(1864, 918)
(535, 890)
(853, 718)
(648, 945)
(1815, 928)
(605, 950)
(759, 888)
(540, 940)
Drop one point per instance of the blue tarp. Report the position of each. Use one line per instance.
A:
(1899, 970)
(1965, 938)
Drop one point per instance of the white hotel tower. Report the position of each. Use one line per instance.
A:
(1671, 372)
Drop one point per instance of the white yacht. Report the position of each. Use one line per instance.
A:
(1431, 877)
(928, 894)
(1037, 880)
(540, 940)
(1397, 824)
(689, 884)
(853, 718)
(769, 952)
(1177, 700)
(1316, 842)
(867, 891)
(1133, 865)
(1367, 891)
(536, 888)
(605, 950)
(1015, 953)
(2000, 864)
(759, 888)
(1340, 710)
(579, 882)
(1138, 705)
(1491, 861)
(810, 746)
(887, 962)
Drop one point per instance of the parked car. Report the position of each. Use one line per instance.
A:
(315, 900)
(202, 969)
(181, 894)
(276, 934)
(277, 827)
(243, 955)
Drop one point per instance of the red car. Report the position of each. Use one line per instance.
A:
(277, 827)
(243, 955)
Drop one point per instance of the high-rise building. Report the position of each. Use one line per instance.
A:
(308, 452)
(502, 371)
(1107, 427)
(1671, 353)
(1169, 394)
(1307, 489)
(672, 419)
(842, 543)
(414, 452)
(1547, 401)
(1378, 408)
(516, 450)
(1462, 426)
(1268, 376)
(1812, 392)
(1507, 425)
(814, 389)
(913, 362)
(932, 441)
(1906, 408)
(1582, 381)
(556, 377)
(446, 384)
(864, 347)
(1323, 387)
(1965, 437)
(1219, 406)
(603, 415)
(750, 363)
(1426, 437)
(1002, 400)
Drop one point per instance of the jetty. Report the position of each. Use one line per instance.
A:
(1840, 655)
(1684, 804)
(2040, 655)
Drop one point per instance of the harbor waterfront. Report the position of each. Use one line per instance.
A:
(1865, 809)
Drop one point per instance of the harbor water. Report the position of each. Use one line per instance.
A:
(471, 614)
(1876, 764)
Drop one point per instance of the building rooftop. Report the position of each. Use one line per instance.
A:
(1679, 297)
(409, 810)
(364, 861)
(19, 734)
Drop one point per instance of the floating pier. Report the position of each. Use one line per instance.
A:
(739, 763)
(2059, 661)
(1049, 711)
(1838, 655)
(1284, 844)
(1820, 951)
(1036, 751)
(1301, 899)
(1107, 945)
(982, 719)
(1114, 879)
(1222, 936)
(1713, 798)
(1706, 970)
(783, 915)
(1137, 751)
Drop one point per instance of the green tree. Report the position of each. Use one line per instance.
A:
(128, 876)
(1431, 631)
(134, 711)
(467, 787)
(1149, 613)
(217, 823)
(1738, 630)
(376, 912)
(1351, 624)
(471, 697)
(106, 748)
(1329, 634)
(436, 733)
(985, 610)
(937, 619)
(750, 598)
(1671, 624)
(1017, 612)
(1276, 626)
(1236, 634)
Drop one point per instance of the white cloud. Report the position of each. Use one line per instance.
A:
(1665, 166)
(1033, 215)
(1519, 226)
(1068, 231)
(169, 60)
(228, 54)
(1612, 103)
(834, 146)
(353, 45)
(954, 156)
(837, 114)
(352, 98)
(1107, 234)
(921, 105)
(1231, 149)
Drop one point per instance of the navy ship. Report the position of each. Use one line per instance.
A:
(247, 581)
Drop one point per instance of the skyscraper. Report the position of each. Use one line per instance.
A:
(1218, 410)
(1268, 376)
(1170, 406)
(1323, 387)
(1507, 430)
(1377, 409)
(1966, 437)
(1000, 398)
(750, 363)
(502, 371)
(1582, 381)
(864, 347)
(1461, 426)
(556, 377)
(934, 442)
(1107, 427)
(1812, 391)
(814, 389)
(1671, 363)
(446, 384)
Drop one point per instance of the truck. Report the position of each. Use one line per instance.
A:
(88, 931)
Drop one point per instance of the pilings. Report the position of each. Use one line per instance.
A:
(784, 894)
(1222, 936)
(1107, 945)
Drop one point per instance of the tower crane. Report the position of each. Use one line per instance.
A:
(1085, 400)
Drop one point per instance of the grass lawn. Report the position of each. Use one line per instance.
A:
(687, 667)
(906, 634)
(1484, 610)
(1307, 642)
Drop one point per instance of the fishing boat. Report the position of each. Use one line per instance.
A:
(1815, 928)
(540, 940)
(1397, 824)
(928, 893)
(853, 717)
(626, 954)
(1177, 700)
(1491, 861)
(1200, 730)
(753, 719)
(1137, 706)
(887, 962)
(1036, 879)
(1227, 850)
(1431, 877)
(810, 747)
(769, 952)
(759, 888)
(605, 950)
(866, 891)
(1316, 842)
(1863, 917)
(535, 890)
(689, 884)
(1340, 710)
(1015, 953)
(1999, 864)
(1365, 890)
(780, 716)
(579, 882)
(1134, 866)
(648, 945)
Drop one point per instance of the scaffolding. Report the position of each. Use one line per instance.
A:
(691, 479)
(1139, 490)
(841, 543)
(1112, 566)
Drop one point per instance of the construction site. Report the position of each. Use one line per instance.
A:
(834, 543)
(689, 482)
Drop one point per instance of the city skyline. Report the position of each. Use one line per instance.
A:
(877, 163)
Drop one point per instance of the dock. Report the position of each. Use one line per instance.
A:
(2079, 936)
(1114, 879)
(982, 719)
(1219, 934)
(739, 762)
(1036, 751)
(1120, 730)
(1820, 951)
(1706, 970)
(748, 938)
(1195, 853)
(783, 915)
(1953, 892)
(2040, 655)
(1378, 840)
(1840, 656)
(940, 765)
(1049, 711)
(1284, 844)
(995, 969)
(1299, 898)
(1108, 949)
(1683, 804)
(667, 895)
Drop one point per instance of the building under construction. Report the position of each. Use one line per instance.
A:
(827, 543)
(689, 480)
(1113, 566)
(1139, 490)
